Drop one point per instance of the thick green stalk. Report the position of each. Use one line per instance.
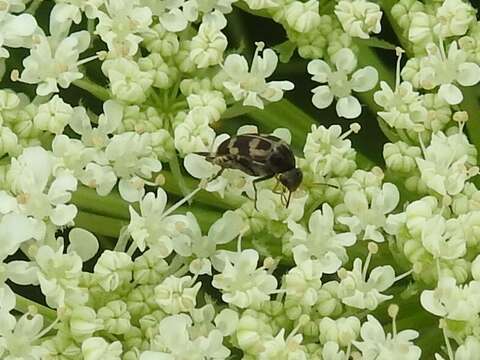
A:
(93, 88)
(112, 205)
(22, 305)
(99, 224)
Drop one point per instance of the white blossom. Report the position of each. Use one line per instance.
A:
(54, 61)
(16, 31)
(454, 18)
(241, 282)
(378, 345)
(122, 25)
(359, 17)
(446, 70)
(250, 85)
(339, 85)
(356, 291)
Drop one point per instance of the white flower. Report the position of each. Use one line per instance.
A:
(281, 347)
(331, 351)
(16, 31)
(211, 102)
(442, 239)
(132, 159)
(302, 283)
(73, 9)
(108, 122)
(302, 16)
(174, 341)
(59, 276)
(322, 242)
(328, 151)
(174, 15)
(369, 213)
(17, 228)
(127, 82)
(356, 291)
(175, 295)
(359, 17)
(17, 337)
(377, 345)
(194, 133)
(97, 348)
(113, 269)
(341, 331)
(39, 193)
(444, 168)
(339, 85)
(208, 45)
(452, 301)
(53, 116)
(122, 26)
(454, 18)
(241, 283)
(147, 229)
(250, 85)
(54, 61)
(403, 107)
(445, 70)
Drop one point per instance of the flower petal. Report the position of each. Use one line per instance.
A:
(322, 97)
(349, 107)
(364, 79)
(319, 69)
(468, 74)
(450, 93)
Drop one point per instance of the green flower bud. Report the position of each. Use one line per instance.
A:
(84, 322)
(116, 318)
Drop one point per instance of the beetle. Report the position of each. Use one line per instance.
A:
(263, 156)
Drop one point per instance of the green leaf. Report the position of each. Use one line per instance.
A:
(285, 50)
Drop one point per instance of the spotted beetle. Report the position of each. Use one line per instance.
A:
(263, 156)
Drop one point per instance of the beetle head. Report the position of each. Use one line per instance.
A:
(291, 179)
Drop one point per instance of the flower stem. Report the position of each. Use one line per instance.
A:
(32, 9)
(93, 88)
(99, 224)
(111, 205)
(22, 305)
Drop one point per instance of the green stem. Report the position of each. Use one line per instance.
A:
(112, 205)
(178, 176)
(93, 88)
(471, 105)
(387, 9)
(22, 304)
(32, 9)
(99, 224)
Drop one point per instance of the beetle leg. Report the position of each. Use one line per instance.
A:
(274, 190)
(266, 177)
(217, 174)
(289, 197)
